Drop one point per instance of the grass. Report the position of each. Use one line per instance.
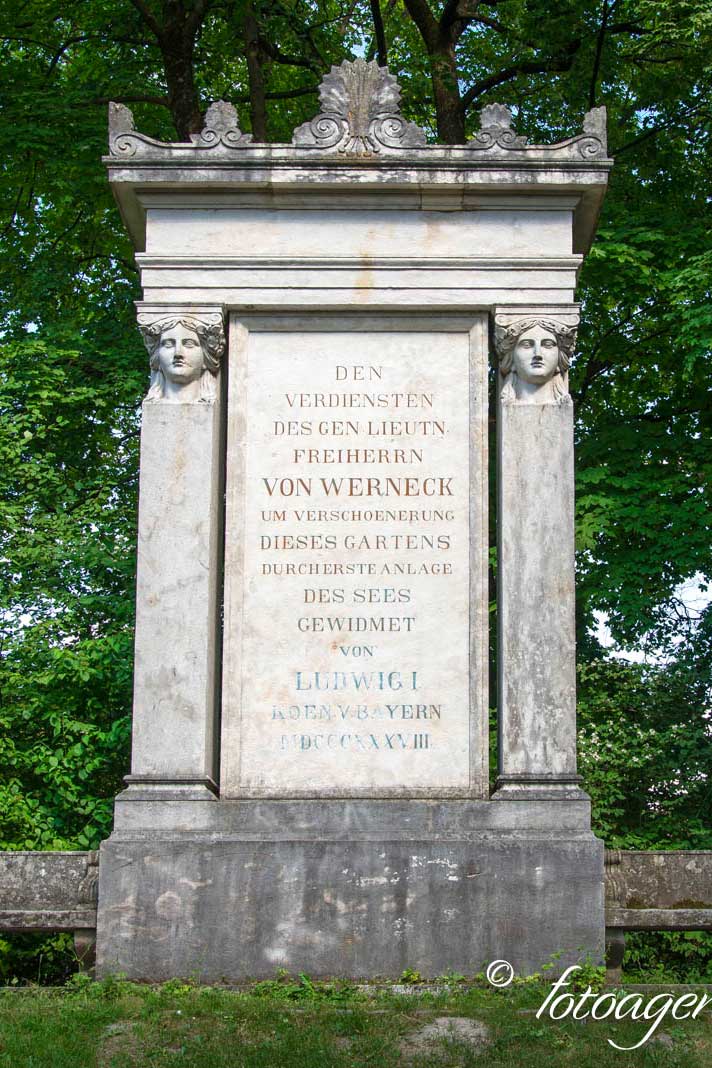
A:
(299, 1024)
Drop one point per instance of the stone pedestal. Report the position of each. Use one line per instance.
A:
(310, 782)
(353, 888)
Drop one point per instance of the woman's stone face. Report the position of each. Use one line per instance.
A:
(180, 355)
(536, 356)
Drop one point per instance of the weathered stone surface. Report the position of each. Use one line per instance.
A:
(647, 890)
(389, 251)
(360, 113)
(54, 891)
(536, 656)
(360, 144)
(655, 879)
(496, 136)
(322, 250)
(425, 885)
(653, 890)
(360, 116)
(177, 600)
(221, 128)
(220, 134)
(536, 583)
(435, 1039)
(659, 919)
(341, 820)
(360, 683)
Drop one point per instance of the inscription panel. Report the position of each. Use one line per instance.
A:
(348, 639)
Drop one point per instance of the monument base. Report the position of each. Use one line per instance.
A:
(358, 889)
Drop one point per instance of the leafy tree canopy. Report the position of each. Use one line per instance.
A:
(73, 369)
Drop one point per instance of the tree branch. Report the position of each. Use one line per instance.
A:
(255, 74)
(130, 98)
(285, 94)
(424, 19)
(628, 27)
(599, 52)
(148, 17)
(371, 50)
(493, 24)
(458, 15)
(452, 13)
(594, 370)
(274, 53)
(14, 213)
(72, 226)
(379, 30)
(655, 130)
(196, 16)
(61, 50)
(553, 64)
(347, 16)
(112, 258)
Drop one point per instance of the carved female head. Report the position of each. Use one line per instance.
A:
(184, 356)
(534, 352)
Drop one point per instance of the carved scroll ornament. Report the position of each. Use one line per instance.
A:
(360, 117)
(496, 130)
(360, 113)
(534, 359)
(220, 134)
(497, 137)
(184, 353)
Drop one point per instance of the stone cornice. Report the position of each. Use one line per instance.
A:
(359, 142)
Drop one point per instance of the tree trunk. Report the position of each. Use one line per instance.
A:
(255, 74)
(448, 105)
(439, 39)
(177, 48)
(380, 34)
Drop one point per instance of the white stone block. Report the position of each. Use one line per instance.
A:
(535, 586)
(177, 594)
(355, 478)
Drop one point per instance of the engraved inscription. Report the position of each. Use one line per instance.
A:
(355, 623)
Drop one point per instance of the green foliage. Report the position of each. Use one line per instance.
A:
(218, 1028)
(177, 987)
(644, 753)
(284, 988)
(72, 369)
(590, 975)
(668, 957)
(36, 959)
(67, 543)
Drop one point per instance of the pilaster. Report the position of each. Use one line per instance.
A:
(176, 679)
(535, 569)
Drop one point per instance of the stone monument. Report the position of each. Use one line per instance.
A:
(309, 785)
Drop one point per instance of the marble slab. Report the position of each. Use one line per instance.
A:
(348, 641)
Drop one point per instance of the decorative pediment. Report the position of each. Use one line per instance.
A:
(595, 141)
(359, 118)
(497, 137)
(360, 113)
(496, 129)
(221, 128)
(220, 134)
